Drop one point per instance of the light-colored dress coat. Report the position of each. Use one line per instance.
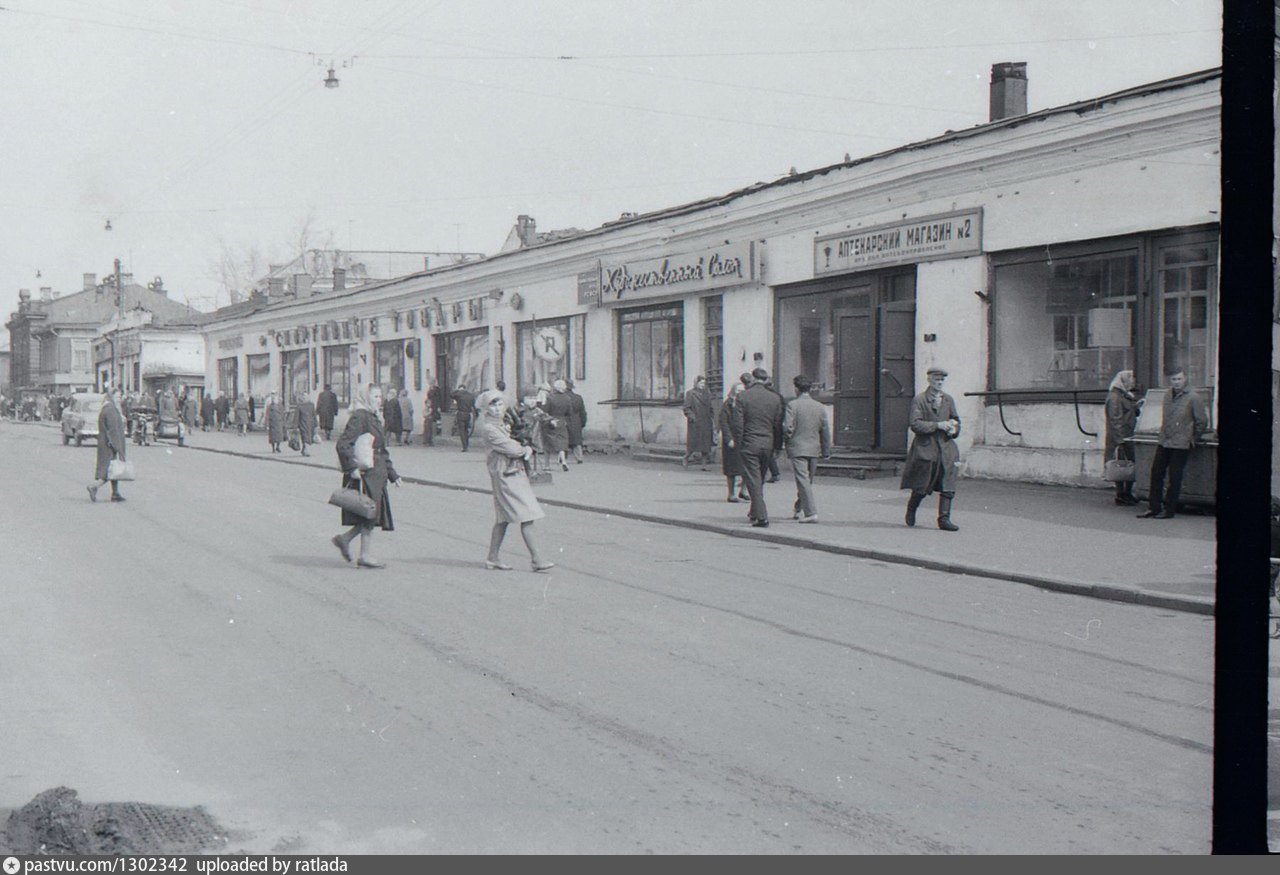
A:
(807, 430)
(933, 453)
(111, 442)
(513, 498)
(373, 482)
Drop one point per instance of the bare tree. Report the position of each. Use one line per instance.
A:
(237, 268)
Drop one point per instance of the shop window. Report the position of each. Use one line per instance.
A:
(805, 340)
(337, 372)
(259, 375)
(227, 373)
(388, 367)
(544, 353)
(1186, 277)
(713, 328)
(651, 354)
(1065, 323)
(295, 375)
(463, 359)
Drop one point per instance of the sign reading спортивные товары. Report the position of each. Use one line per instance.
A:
(922, 239)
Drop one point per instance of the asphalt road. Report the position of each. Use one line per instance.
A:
(661, 690)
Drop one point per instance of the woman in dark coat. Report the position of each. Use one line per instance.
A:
(306, 421)
(111, 445)
(730, 458)
(577, 422)
(555, 432)
(1122, 418)
(933, 456)
(366, 403)
(698, 423)
(391, 413)
(327, 409)
(206, 413)
(273, 416)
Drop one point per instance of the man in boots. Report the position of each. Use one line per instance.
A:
(931, 461)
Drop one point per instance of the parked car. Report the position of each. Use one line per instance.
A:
(80, 417)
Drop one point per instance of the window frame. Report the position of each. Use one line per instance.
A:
(672, 314)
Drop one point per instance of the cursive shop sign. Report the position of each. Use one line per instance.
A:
(947, 236)
(726, 265)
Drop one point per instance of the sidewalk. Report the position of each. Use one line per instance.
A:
(1060, 538)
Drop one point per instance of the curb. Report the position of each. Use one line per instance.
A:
(1104, 591)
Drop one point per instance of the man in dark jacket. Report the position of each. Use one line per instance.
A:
(1184, 420)
(464, 416)
(222, 410)
(931, 461)
(757, 430)
(326, 410)
(206, 412)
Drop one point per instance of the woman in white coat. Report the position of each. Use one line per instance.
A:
(513, 498)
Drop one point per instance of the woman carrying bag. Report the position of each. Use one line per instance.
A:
(366, 407)
(111, 446)
(1122, 418)
(513, 498)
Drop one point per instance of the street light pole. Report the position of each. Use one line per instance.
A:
(115, 340)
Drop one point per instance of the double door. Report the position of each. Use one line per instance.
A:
(874, 327)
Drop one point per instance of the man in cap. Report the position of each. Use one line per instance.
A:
(931, 461)
(757, 430)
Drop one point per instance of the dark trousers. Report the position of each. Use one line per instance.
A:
(774, 473)
(464, 432)
(754, 464)
(1172, 462)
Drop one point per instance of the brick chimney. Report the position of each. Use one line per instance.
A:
(339, 278)
(275, 287)
(302, 285)
(1008, 89)
(46, 293)
(527, 230)
(90, 281)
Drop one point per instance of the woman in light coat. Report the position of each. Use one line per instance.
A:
(273, 416)
(513, 498)
(366, 418)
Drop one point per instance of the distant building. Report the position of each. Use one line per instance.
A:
(54, 340)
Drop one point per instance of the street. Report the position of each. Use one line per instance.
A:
(660, 691)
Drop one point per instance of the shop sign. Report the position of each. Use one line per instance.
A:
(947, 236)
(726, 265)
(231, 342)
(548, 344)
(589, 287)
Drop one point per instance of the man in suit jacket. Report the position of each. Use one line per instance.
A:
(931, 461)
(808, 435)
(757, 430)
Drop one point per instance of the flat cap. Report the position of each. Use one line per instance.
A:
(936, 370)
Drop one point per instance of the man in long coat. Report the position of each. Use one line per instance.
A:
(206, 412)
(699, 423)
(931, 460)
(757, 430)
(326, 410)
(391, 414)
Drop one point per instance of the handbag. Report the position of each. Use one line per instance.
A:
(355, 501)
(1119, 471)
(362, 451)
(295, 442)
(120, 469)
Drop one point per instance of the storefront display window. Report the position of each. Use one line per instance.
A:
(295, 374)
(259, 375)
(227, 376)
(651, 354)
(462, 358)
(388, 367)
(1065, 323)
(337, 372)
(806, 341)
(544, 354)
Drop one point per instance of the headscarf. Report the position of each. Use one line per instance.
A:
(1117, 382)
(360, 400)
(482, 403)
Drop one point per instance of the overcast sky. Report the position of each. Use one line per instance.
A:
(194, 124)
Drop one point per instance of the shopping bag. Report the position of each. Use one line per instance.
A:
(362, 451)
(1119, 471)
(120, 469)
(355, 501)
